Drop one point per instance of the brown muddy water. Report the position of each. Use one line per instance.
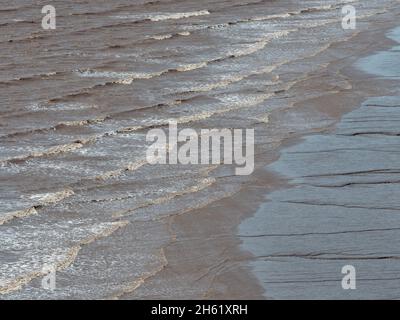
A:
(76, 104)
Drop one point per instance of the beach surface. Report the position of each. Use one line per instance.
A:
(341, 207)
(77, 192)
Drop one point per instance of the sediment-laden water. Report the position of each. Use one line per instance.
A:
(76, 104)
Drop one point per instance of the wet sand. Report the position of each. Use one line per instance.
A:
(342, 205)
(205, 252)
(76, 191)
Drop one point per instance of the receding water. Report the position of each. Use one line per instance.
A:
(385, 63)
(342, 207)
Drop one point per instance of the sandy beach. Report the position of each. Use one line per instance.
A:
(78, 194)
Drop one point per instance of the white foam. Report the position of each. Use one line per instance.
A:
(270, 17)
(59, 107)
(51, 197)
(177, 15)
(162, 37)
(169, 35)
(191, 66)
(117, 75)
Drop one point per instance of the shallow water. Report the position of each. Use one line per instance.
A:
(384, 63)
(75, 106)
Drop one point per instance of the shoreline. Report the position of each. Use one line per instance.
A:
(211, 231)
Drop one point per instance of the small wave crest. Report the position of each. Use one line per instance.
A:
(179, 15)
(40, 201)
